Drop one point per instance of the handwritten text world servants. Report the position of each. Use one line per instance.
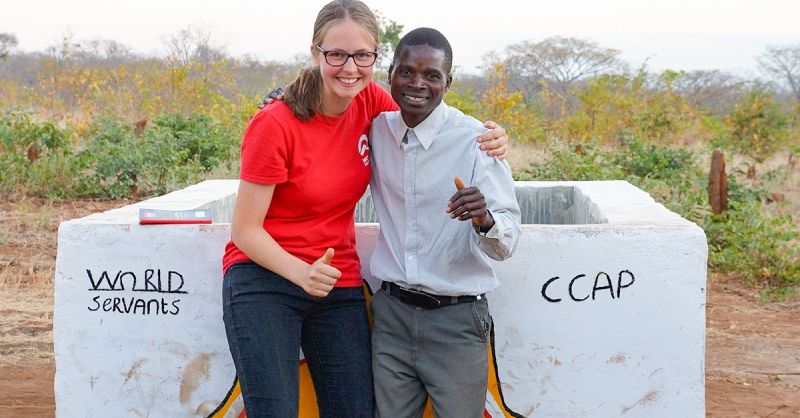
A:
(151, 292)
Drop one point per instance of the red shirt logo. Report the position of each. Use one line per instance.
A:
(363, 149)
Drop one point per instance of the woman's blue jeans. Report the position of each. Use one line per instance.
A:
(268, 319)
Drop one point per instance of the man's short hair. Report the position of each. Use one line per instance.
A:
(425, 36)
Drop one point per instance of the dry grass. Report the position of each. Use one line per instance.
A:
(26, 330)
(27, 260)
(524, 154)
(28, 229)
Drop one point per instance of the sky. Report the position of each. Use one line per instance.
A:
(676, 34)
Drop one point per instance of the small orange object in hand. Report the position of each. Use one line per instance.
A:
(460, 185)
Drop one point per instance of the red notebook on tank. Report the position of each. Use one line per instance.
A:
(162, 216)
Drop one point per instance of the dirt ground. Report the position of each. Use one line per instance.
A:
(752, 357)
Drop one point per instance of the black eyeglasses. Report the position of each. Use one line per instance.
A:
(339, 58)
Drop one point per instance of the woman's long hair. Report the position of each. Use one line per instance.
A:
(304, 94)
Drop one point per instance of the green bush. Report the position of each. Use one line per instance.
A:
(114, 159)
(35, 157)
(169, 155)
(19, 132)
(749, 240)
(203, 139)
(649, 160)
(589, 162)
(110, 159)
(760, 247)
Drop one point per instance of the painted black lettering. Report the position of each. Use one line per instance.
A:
(151, 282)
(620, 286)
(157, 305)
(116, 307)
(148, 282)
(596, 287)
(175, 307)
(571, 294)
(164, 307)
(544, 291)
(104, 277)
(179, 276)
(140, 304)
(122, 282)
(128, 307)
(96, 301)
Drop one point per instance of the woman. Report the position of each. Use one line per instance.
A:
(291, 269)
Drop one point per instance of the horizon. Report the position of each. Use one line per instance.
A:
(716, 35)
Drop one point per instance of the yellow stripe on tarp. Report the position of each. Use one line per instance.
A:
(234, 393)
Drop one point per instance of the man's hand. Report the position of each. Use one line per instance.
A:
(469, 203)
(495, 141)
(321, 276)
(275, 94)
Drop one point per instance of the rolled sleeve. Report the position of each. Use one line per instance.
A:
(500, 241)
(495, 181)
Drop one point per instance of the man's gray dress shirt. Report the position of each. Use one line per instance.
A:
(419, 246)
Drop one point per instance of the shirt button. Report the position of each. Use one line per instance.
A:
(411, 257)
(412, 227)
(409, 190)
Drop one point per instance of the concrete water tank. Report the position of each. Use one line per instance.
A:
(600, 312)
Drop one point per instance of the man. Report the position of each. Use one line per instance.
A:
(431, 315)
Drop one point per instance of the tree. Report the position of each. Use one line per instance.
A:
(193, 44)
(558, 61)
(108, 50)
(7, 42)
(389, 37)
(757, 127)
(712, 90)
(782, 64)
(507, 107)
(67, 49)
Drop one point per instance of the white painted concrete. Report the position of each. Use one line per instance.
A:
(635, 349)
(142, 364)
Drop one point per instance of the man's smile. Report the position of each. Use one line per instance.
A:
(415, 99)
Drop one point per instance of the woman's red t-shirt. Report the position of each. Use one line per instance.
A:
(321, 169)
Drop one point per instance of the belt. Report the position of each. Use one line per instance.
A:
(424, 299)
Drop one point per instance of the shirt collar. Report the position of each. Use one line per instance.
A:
(426, 130)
